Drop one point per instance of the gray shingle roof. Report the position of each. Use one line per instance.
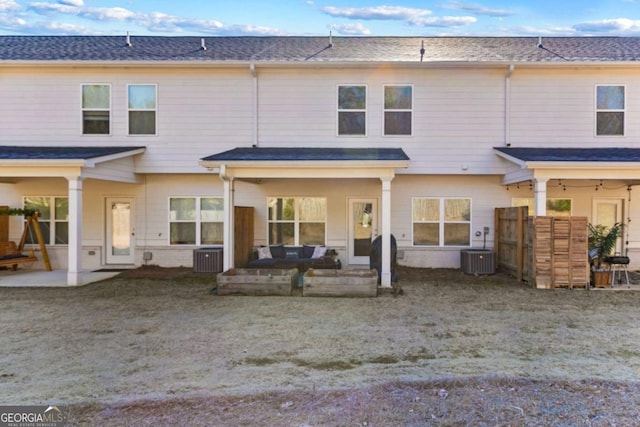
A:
(572, 154)
(318, 50)
(309, 154)
(59, 153)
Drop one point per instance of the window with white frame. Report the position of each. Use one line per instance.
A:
(196, 221)
(441, 221)
(297, 220)
(398, 109)
(142, 104)
(352, 110)
(610, 110)
(96, 109)
(555, 207)
(53, 219)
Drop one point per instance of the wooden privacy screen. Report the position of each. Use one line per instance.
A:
(559, 255)
(4, 226)
(548, 252)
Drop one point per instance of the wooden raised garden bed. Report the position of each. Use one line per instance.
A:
(340, 283)
(257, 281)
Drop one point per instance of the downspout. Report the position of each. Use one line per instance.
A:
(507, 106)
(254, 101)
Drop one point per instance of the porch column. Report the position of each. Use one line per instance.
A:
(540, 196)
(229, 241)
(385, 280)
(74, 271)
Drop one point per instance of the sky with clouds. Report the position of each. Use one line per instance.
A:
(316, 17)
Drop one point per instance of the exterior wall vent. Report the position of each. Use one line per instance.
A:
(207, 260)
(478, 261)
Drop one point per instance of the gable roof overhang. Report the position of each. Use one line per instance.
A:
(104, 163)
(529, 163)
(296, 162)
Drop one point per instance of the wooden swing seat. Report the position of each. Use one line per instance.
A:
(11, 256)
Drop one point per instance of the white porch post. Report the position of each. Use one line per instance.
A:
(540, 197)
(385, 280)
(74, 271)
(229, 241)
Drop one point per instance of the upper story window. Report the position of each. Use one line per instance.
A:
(297, 220)
(53, 220)
(352, 110)
(142, 109)
(610, 109)
(96, 109)
(196, 220)
(441, 222)
(398, 109)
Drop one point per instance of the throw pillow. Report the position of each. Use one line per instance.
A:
(307, 251)
(277, 251)
(319, 251)
(264, 253)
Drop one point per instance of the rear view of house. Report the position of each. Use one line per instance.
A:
(137, 149)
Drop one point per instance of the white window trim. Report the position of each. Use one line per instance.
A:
(156, 110)
(339, 110)
(441, 222)
(623, 111)
(198, 220)
(296, 221)
(384, 110)
(82, 109)
(52, 219)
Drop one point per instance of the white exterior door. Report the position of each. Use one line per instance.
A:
(120, 236)
(607, 212)
(363, 228)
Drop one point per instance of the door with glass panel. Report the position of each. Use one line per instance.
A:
(363, 228)
(120, 245)
(607, 212)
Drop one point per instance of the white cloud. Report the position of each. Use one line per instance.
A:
(76, 3)
(476, 8)
(351, 29)
(619, 26)
(412, 16)
(377, 12)
(8, 6)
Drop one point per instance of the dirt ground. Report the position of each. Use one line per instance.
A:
(157, 347)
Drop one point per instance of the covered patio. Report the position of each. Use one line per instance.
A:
(75, 164)
(256, 163)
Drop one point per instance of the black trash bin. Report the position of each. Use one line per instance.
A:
(375, 257)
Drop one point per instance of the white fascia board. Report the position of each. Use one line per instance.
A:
(31, 169)
(512, 159)
(90, 163)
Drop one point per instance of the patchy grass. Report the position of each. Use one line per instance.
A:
(155, 346)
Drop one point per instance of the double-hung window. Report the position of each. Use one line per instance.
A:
(610, 110)
(142, 104)
(297, 220)
(352, 110)
(441, 221)
(53, 219)
(96, 109)
(398, 109)
(196, 220)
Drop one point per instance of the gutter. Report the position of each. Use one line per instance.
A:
(507, 106)
(254, 101)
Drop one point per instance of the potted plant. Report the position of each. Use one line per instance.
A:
(602, 242)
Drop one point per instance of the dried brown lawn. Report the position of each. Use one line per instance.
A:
(155, 347)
